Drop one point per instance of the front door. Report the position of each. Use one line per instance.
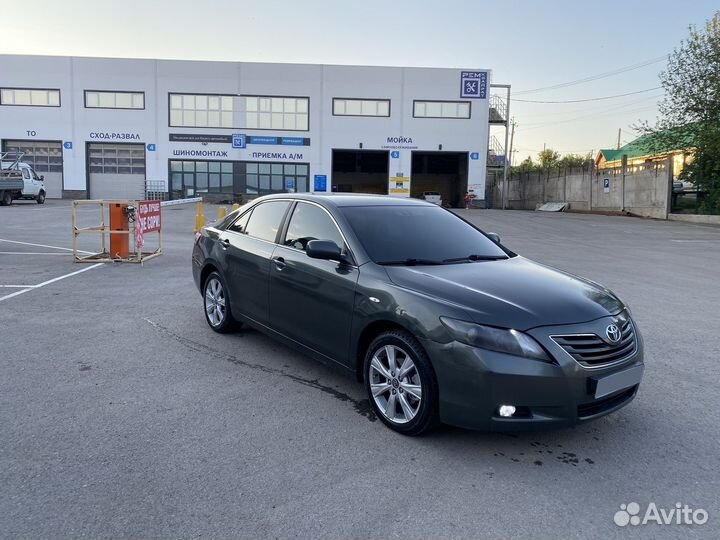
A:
(311, 300)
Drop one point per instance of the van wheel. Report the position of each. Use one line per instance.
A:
(41, 198)
(6, 199)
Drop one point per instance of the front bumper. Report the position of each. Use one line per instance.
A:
(473, 382)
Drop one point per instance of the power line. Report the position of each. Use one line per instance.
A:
(590, 99)
(537, 118)
(595, 77)
(603, 111)
(547, 124)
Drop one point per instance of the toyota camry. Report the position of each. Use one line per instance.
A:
(438, 319)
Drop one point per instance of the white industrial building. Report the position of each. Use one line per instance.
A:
(118, 128)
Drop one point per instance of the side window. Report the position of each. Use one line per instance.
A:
(241, 224)
(265, 220)
(26, 174)
(310, 222)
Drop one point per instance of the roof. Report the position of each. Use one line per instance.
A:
(352, 199)
(649, 144)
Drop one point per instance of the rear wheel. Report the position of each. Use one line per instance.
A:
(40, 198)
(217, 306)
(6, 199)
(401, 383)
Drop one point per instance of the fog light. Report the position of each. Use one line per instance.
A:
(506, 410)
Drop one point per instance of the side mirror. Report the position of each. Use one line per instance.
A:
(42, 177)
(324, 249)
(495, 237)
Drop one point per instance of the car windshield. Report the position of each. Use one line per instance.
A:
(418, 235)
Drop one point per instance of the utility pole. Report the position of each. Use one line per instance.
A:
(507, 176)
(507, 154)
(619, 133)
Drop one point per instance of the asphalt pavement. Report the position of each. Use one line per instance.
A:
(122, 415)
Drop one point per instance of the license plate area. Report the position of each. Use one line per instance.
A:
(620, 380)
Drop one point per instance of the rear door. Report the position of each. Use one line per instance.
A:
(311, 300)
(247, 247)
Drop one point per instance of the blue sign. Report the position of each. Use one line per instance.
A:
(238, 140)
(395, 154)
(473, 84)
(290, 183)
(67, 145)
(474, 155)
(151, 147)
(293, 141)
(263, 140)
(320, 182)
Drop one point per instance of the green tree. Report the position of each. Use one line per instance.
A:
(548, 158)
(690, 109)
(527, 164)
(570, 161)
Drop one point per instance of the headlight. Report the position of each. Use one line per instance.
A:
(496, 339)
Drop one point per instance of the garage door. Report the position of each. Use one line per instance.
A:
(116, 171)
(46, 158)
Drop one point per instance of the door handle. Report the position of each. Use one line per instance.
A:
(225, 243)
(279, 263)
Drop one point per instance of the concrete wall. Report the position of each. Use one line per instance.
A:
(644, 193)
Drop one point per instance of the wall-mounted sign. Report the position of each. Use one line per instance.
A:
(297, 156)
(395, 154)
(606, 185)
(151, 147)
(200, 153)
(200, 137)
(67, 145)
(108, 136)
(474, 155)
(238, 140)
(399, 143)
(473, 84)
(399, 185)
(290, 183)
(320, 182)
(285, 141)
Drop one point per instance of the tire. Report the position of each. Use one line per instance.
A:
(406, 403)
(6, 199)
(40, 199)
(216, 305)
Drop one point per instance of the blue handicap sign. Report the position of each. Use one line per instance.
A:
(67, 145)
(395, 154)
(238, 140)
(290, 183)
(475, 155)
(320, 182)
(151, 147)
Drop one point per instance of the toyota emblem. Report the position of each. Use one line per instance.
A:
(613, 333)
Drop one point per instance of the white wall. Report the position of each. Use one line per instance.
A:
(72, 122)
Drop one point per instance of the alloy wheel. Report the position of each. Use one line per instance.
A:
(395, 384)
(215, 302)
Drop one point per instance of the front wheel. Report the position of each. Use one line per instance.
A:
(401, 383)
(217, 306)
(40, 198)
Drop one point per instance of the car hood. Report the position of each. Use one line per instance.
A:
(512, 293)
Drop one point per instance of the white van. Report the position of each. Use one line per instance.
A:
(33, 185)
(433, 197)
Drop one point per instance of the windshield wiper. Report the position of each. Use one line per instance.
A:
(477, 258)
(411, 262)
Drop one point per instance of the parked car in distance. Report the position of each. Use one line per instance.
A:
(440, 321)
(33, 185)
(433, 197)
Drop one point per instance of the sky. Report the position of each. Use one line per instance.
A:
(528, 44)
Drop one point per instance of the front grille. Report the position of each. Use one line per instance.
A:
(606, 403)
(591, 350)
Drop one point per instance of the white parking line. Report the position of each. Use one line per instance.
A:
(43, 245)
(32, 253)
(18, 286)
(48, 282)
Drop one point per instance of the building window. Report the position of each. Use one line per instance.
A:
(199, 110)
(441, 109)
(116, 159)
(100, 99)
(265, 178)
(32, 97)
(276, 112)
(361, 107)
(192, 177)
